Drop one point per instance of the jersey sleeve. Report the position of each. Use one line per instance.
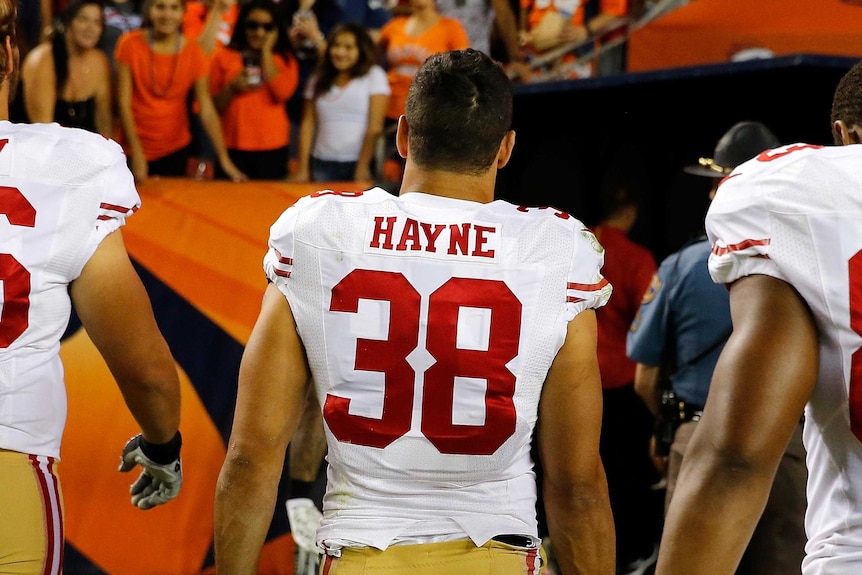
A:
(120, 198)
(285, 83)
(123, 50)
(739, 230)
(648, 333)
(118, 201)
(379, 81)
(586, 288)
(218, 70)
(278, 261)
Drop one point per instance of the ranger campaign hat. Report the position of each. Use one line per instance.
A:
(740, 143)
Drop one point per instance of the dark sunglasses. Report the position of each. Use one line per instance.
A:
(255, 25)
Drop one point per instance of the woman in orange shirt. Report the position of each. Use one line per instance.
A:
(251, 80)
(157, 67)
(408, 41)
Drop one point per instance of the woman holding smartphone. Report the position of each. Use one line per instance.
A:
(251, 79)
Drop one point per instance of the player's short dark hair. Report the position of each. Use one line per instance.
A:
(459, 108)
(847, 101)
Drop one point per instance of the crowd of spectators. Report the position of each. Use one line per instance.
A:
(276, 89)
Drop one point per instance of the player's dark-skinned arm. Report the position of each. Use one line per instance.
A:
(763, 379)
(273, 385)
(575, 488)
(308, 445)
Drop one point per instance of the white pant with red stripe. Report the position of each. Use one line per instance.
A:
(31, 515)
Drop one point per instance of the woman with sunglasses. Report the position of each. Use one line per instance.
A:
(251, 79)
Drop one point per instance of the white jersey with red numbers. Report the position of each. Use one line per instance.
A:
(62, 191)
(795, 213)
(430, 324)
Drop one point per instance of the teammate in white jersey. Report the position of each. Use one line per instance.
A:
(64, 193)
(437, 327)
(786, 231)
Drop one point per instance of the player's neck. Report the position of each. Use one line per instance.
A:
(449, 184)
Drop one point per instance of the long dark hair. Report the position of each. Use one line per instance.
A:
(238, 40)
(58, 37)
(326, 73)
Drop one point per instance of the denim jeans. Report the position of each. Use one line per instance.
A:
(332, 171)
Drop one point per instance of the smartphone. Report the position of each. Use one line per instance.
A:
(253, 72)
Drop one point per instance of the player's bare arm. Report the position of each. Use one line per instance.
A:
(273, 385)
(575, 489)
(763, 379)
(308, 445)
(115, 309)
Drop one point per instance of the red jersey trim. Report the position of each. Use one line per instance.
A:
(282, 259)
(743, 245)
(116, 208)
(587, 287)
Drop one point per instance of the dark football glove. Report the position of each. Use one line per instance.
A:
(162, 474)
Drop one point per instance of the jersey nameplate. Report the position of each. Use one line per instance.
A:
(403, 235)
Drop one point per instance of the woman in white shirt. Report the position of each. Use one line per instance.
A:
(344, 109)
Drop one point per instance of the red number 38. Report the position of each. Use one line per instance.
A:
(390, 357)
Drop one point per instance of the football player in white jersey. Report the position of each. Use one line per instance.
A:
(438, 328)
(64, 193)
(786, 233)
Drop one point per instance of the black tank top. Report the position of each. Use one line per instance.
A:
(76, 114)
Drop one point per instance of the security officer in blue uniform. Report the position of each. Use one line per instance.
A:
(680, 330)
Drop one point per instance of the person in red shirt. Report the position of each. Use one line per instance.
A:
(627, 424)
(251, 80)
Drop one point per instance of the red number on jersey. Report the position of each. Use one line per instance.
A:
(769, 155)
(559, 213)
(390, 357)
(16, 279)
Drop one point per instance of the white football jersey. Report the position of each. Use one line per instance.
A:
(430, 325)
(62, 191)
(795, 213)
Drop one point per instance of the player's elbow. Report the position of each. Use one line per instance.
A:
(577, 491)
(733, 461)
(149, 375)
